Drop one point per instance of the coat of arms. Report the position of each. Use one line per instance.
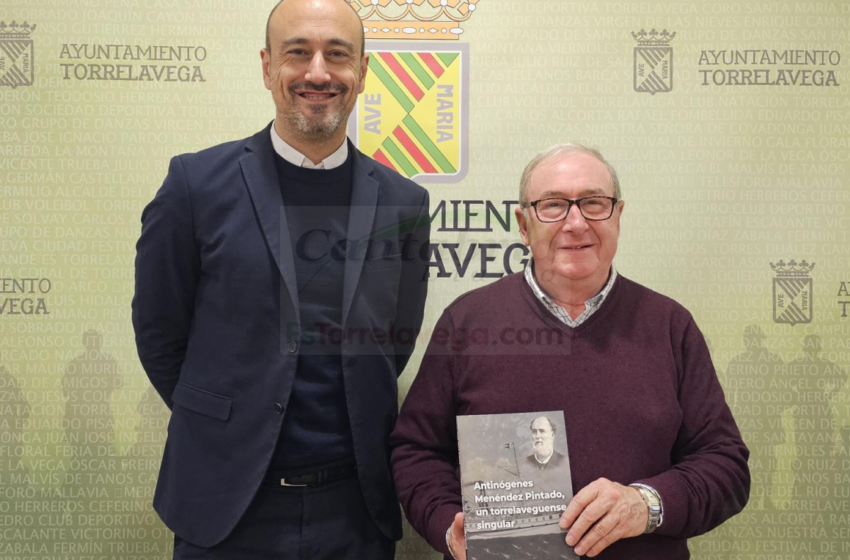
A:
(792, 292)
(16, 54)
(413, 115)
(653, 69)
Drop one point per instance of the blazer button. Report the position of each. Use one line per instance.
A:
(291, 346)
(278, 408)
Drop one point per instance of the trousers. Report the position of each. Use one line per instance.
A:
(328, 522)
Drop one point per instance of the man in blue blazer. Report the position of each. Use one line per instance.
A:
(280, 285)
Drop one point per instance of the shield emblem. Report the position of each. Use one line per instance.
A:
(653, 70)
(792, 300)
(413, 115)
(16, 62)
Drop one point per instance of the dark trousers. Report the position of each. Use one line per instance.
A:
(327, 522)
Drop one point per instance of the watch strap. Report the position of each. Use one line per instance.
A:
(653, 504)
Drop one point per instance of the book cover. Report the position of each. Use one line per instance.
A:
(515, 484)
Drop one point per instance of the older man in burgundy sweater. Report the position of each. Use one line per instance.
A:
(653, 447)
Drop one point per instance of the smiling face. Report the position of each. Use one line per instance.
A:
(315, 68)
(575, 251)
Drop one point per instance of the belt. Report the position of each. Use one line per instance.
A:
(321, 476)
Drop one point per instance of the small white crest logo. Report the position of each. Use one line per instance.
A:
(792, 292)
(16, 54)
(653, 70)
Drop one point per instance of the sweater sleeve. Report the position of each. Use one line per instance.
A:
(710, 480)
(424, 442)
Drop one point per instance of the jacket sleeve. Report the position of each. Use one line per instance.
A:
(167, 270)
(710, 479)
(413, 286)
(424, 442)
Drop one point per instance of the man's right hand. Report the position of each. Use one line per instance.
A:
(457, 540)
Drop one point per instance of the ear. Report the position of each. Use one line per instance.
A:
(266, 57)
(523, 225)
(619, 212)
(364, 68)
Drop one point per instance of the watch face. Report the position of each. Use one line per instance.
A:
(651, 500)
(653, 504)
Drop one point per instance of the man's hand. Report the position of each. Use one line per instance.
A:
(609, 510)
(457, 540)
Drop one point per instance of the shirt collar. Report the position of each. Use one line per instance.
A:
(597, 300)
(295, 157)
(591, 305)
(549, 458)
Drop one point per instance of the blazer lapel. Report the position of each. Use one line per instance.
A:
(260, 174)
(364, 200)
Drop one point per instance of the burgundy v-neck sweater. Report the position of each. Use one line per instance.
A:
(640, 396)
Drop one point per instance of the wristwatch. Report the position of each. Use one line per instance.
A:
(653, 504)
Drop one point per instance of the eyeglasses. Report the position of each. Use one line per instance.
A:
(593, 208)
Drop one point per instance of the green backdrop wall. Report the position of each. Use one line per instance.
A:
(729, 124)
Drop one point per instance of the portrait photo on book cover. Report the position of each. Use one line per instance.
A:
(515, 483)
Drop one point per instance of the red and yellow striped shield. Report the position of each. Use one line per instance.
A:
(413, 115)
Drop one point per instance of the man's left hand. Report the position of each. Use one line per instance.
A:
(602, 513)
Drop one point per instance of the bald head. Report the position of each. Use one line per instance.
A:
(541, 422)
(315, 5)
(315, 68)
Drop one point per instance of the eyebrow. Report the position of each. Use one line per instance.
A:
(303, 41)
(586, 192)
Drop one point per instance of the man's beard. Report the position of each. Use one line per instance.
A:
(322, 123)
(541, 449)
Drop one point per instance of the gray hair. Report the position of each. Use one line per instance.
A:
(563, 150)
(362, 32)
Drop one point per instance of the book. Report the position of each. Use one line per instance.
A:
(515, 484)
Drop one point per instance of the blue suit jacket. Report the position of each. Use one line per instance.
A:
(216, 318)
